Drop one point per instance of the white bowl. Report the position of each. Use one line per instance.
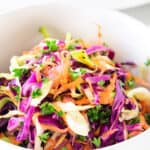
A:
(129, 38)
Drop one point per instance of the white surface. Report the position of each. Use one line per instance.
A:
(119, 30)
(119, 4)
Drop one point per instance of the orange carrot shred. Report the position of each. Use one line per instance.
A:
(141, 82)
(143, 122)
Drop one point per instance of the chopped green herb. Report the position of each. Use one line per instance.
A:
(17, 90)
(44, 51)
(44, 137)
(131, 83)
(122, 84)
(99, 114)
(60, 113)
(44, 32)
(52, 46)
(37, 56)
(47, 108)
(96, 142)
(93, 113)
(134, 121)
(64, 148)
(41, 65)
(82, 70)
(71, 47)
(147, 62)
(81, 138)
(147, 118)
(36, 93)
(18, 72)
(45, 80)
(76, 74)
(101, 83)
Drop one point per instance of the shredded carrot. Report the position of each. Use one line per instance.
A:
(107, 133)
(143, 107)
(68, 99)
(128, 75)
(143, 122)
(45, 70)
(82, 142)
(106, 95)
(60, 140)
(87, 147)
(38, 75)
(13, 140)
(96, 133)
(70, 85)
(35, 116)
(141, 82)
(50, 144)
(66, 65)
(134, 133)
(68, 146)
(82, 101)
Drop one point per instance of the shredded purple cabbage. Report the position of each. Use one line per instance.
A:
(52, 119)
(14, 123)
(24, 132)
(134, 127)
(117, 105)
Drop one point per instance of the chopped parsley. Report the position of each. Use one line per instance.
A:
(122, 84)
(93, 113)
(101, 83)
(44, 137)
(17, 91)
(47, 108)
(45, 79)
(147, 62)
(147, 118)
(52, 46)
(18, 72)
(77, 73)
(70, 47)
(64, 148)
(99, 114)
(60, 113)
(36, 93)
(131, 83)
(81, 138)
(96, 142)
(44, 51)
(135, 120)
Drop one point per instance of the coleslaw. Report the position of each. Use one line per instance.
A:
(70, 95)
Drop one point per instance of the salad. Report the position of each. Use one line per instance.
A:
(69, 95)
